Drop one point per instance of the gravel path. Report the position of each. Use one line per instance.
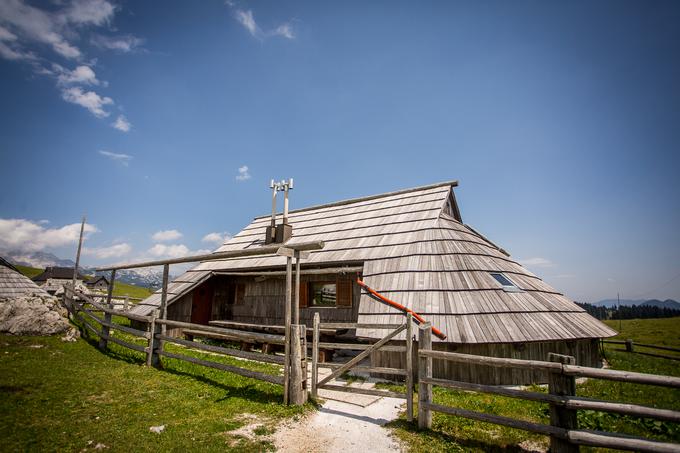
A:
(342, 427)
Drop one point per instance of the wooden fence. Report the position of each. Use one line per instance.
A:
(366, 349)
(630, 346)
(97, 318)
(564, 404)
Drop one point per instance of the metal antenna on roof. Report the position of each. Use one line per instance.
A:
(285, 229)
(272, 232)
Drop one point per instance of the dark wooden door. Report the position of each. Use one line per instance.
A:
(229, 302)
(201, 305)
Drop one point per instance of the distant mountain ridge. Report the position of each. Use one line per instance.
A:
(612, 303)
(37, 259)
(145, 277)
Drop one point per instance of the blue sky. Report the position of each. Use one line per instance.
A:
(560, 120)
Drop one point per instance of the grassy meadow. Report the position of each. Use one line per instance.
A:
(57, 396)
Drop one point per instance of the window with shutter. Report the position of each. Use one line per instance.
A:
(344, 292)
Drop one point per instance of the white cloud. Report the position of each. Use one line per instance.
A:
(284, 30)
(6, 35)
(216, 238)
(10, 53)
(29, 236)
(166, 235)
(243, 173)
(37, 25)
(88, 12)
(247, 19)
(81, 74)
(123, 44)
(9, 49)
(114, 251)
(26, 31)
(122, 124)
(161, 251)
(536, 262)
(123, 159)
(88, 99)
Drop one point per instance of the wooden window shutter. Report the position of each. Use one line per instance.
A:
(303, 294)
(240, 294)
(343, 292)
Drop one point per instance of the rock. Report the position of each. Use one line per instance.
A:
(157, 429)
(71, 336)
(32, 314)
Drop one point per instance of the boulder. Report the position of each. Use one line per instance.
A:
(33, 314)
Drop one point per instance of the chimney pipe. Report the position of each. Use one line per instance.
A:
(274, 188)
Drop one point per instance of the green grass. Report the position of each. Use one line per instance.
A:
(660, 332)
(29, 272)
(124, 289)
(459, 434)
(57, 396)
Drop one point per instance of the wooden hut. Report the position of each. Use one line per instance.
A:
(14, 284)
(413, 247)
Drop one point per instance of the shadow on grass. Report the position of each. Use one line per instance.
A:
(249, 392)
(439, 437)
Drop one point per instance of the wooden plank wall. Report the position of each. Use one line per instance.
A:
(264, 301)
(585, 351)
(180, 311)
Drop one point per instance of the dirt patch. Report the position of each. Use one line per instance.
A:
(342, 427)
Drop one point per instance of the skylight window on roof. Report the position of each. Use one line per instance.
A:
(505, 282)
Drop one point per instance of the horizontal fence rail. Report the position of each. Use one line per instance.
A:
(631, 346)
(88, 312)
(564, 404)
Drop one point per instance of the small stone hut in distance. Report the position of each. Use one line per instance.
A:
(412, 247)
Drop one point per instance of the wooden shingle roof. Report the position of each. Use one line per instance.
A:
(14, 284)
(416, 251)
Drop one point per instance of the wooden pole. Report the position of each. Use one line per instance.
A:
(629, 345)
(297, 394)
(424, 371)
(315, 354)
(126, 305)
(161, 329)
(409, 367)
(286, 365)
(560, 384)
(103, 338)
(151, 356)
(80, 246)
(296, 305)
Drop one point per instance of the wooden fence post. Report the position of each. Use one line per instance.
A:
(151, 355)
(424, 371)
(315, 354)
(297, 395)
(560, 384)
(126, 304)
(161, 328)
(409, 367)
(629, 345)
(287, 315)
(103, 338)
